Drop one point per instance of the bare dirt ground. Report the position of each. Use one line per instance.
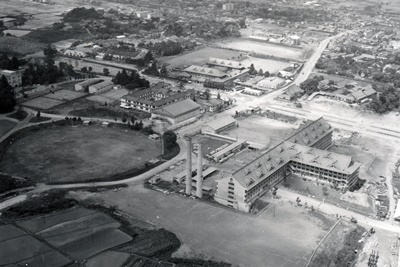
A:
(266, 48)
(67, 154)
(383, 242)
(200, 57)
(285, 237)
(260, 130)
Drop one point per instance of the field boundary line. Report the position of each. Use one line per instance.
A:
(322, 241)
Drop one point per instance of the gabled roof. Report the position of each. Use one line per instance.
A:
(225, 63)
(178, 108)
(311, 132)
(221, 123)
(283, 153)
(287, 151)
(204, 71)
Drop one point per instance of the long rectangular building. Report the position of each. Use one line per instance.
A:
(243, 186)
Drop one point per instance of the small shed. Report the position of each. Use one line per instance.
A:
(105, 124)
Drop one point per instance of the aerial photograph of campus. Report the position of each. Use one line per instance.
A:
(189, 133)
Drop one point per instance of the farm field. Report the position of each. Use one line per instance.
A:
(43, 103)
(224, 234)
(265, 48)
(15, 45)
(77, 233)
(82, 153)
(108, 258)
(5, 126)
(18, 246)
(200, 57)
(260, 130)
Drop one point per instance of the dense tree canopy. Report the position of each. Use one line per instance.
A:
(80, 13)
(7, 96)
(169, 140)
(130, 81)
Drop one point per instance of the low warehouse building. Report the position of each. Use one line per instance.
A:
(84, 86)
(219, 125)
(177, 111)
(100, 87)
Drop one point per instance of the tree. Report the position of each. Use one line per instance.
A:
(207, 94)
(38, 114)
(266, 74)
(14, 63)
(152, 69)
(218, 96)
(252, 70)
(164, 70)
(106, 71)
(310, 85)
(7, 96)
(260, 72)
(84, 69)
(169, 140)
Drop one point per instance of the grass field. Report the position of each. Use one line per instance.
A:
(5, 126)
(76, 154)
(43, 103)
(284, 239)
(266, 48)
(200, 57)
(65, 95)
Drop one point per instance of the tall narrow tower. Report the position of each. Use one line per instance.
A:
(188, 165)
(199, 184)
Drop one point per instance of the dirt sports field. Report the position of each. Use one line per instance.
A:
(261, 130)
(200, 57)
(266, 48)
(285, 239)
(74, 154)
